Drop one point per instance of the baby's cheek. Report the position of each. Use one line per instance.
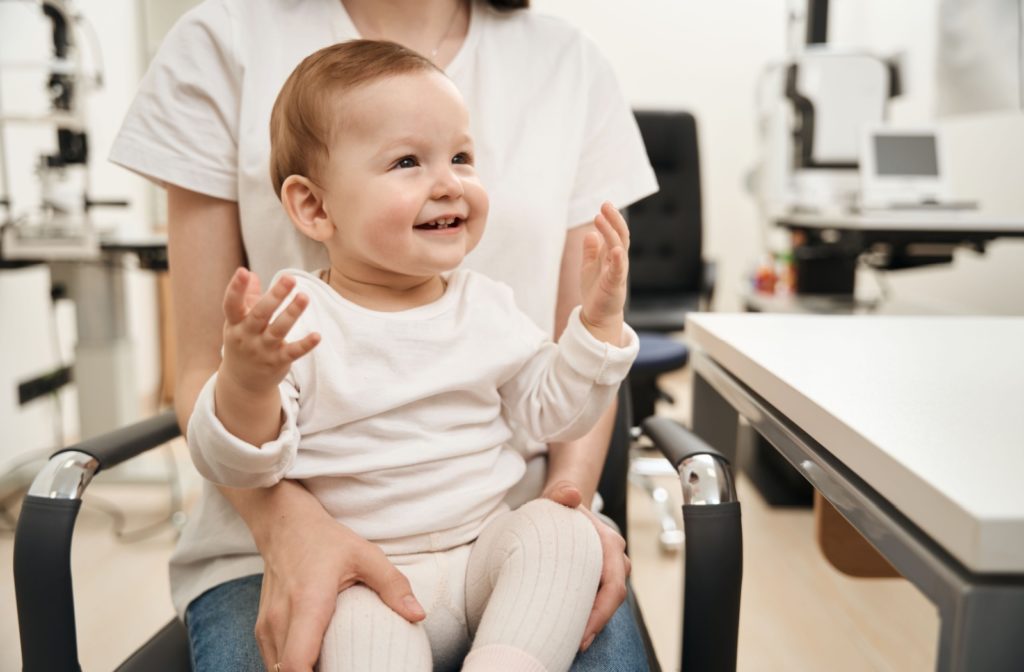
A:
(479, 202)
(392, 225)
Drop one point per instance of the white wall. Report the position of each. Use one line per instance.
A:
(705, 57)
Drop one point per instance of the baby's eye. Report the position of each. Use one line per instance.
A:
(407, 162)
(463, 158)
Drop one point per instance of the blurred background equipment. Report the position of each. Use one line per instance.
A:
(53, 252)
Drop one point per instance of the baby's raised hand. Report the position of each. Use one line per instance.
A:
(256, 356)
(603, 279)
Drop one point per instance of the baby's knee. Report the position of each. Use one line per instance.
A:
(365, 630)
(555, 523)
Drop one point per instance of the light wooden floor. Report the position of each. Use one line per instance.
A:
(797, 612)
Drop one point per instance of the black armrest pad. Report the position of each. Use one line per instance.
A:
(42, 583)
(122, 444)
(675, 441)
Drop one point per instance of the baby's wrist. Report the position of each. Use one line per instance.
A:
(607, 330)
(229, 383)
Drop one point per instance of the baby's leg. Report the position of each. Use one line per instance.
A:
(365, 634)
(530, 586)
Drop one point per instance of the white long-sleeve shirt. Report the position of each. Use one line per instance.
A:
(399, 422)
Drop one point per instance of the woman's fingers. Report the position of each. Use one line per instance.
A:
(305, 634)
(377, 572)
(612, 590)
(563, 492)
(270, 631)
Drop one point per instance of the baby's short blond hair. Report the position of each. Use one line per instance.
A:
(304, 117)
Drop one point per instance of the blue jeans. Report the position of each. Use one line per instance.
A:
(221, 623)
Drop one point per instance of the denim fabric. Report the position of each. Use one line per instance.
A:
(617, 648)
(222, 620)
(222, 624)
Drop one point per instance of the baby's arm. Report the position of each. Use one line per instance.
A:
(237, 434)
(256, 356)
(562, 391)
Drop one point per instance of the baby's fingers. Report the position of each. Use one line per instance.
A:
(260, 314)
(591, 247)
(608, 232)
(618, 222)
(234, 296)
(618, 266)
(280, 327)
(297, 349)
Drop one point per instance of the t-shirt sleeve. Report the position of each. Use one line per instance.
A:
(613, 163)
(560, 391)
(223, 458)
(182, 126)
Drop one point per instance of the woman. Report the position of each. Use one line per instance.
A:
(554, 138)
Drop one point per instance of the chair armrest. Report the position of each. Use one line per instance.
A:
(676, 442)
(42, 540)
(123, 444)
(713, 574)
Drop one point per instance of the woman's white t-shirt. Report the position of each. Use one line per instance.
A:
(554, 138)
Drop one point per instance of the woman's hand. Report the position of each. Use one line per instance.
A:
(615, 567)
(603, 275)
(310, 561)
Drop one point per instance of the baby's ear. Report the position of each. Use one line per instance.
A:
(304, 202)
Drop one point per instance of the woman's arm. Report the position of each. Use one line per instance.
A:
(204, 247)
(574, 467)
(309, 557)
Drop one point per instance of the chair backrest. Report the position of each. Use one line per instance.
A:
(665, 228)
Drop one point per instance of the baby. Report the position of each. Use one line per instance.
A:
(399, 420)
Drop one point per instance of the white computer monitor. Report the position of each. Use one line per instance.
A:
(902, 166)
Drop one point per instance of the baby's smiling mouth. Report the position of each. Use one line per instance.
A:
(441, 223)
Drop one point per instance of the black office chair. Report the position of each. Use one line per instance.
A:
(669, 276)
(42, 548)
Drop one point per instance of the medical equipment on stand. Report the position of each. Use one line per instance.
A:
(85, 263)
(813, 109)
(60, 225)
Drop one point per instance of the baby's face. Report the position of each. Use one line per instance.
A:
(401, 187)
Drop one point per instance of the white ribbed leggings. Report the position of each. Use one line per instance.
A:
(517, 598)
